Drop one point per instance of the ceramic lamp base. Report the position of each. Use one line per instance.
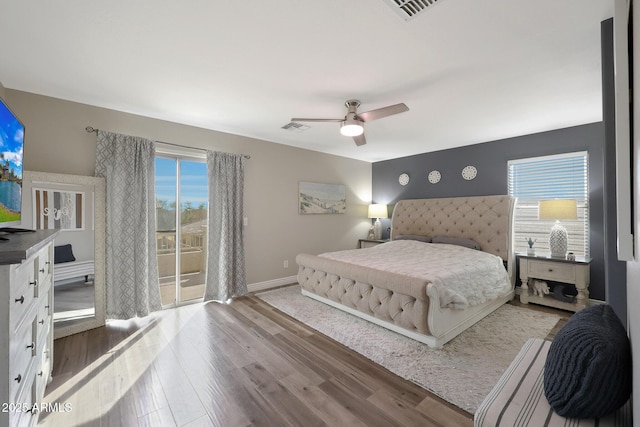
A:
(558, 241)
(377, 229)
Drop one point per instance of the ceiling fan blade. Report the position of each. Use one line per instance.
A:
(297, 119)
(360, 140)
(383, 112)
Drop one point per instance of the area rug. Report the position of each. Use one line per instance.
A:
(462, 372)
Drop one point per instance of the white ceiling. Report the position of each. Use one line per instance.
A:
(470, 70)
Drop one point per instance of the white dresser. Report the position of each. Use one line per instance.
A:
(26, 325)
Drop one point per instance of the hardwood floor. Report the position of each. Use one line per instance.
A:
(229, 365)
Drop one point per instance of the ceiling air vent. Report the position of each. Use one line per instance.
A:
(295, 127)
(409, 9)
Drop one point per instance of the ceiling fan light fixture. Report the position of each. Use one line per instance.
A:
(351, 127)
(353, 123)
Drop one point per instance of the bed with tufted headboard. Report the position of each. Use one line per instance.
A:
(430, 292)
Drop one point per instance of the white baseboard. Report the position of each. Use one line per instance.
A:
(261, 286)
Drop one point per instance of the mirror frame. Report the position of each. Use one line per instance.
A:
(99, 223)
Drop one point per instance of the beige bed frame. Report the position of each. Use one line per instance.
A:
(410, 306)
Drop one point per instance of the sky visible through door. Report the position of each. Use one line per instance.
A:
(181, 183)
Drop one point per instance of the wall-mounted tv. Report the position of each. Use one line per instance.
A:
(11, 148)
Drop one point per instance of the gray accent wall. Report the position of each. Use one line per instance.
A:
(608, 275)
(491, 159)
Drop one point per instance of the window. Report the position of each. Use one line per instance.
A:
(181, 215)
(564, 176)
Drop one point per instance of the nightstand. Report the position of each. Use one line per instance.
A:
(367, 243)
(558, 270)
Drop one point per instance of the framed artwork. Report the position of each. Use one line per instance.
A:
(58, 209)
(317, 198)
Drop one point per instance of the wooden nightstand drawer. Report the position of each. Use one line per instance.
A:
(367, 243)
(552, 271)
(574, 272)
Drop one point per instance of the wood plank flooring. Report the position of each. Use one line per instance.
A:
(240, 364)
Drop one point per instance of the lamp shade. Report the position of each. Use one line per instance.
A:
(378, 211)
(558, 209)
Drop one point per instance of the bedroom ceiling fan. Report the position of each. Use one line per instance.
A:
(353, 123)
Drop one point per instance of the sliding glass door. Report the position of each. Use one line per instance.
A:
(181, 212)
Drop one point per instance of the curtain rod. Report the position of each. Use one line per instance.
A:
(91, 129)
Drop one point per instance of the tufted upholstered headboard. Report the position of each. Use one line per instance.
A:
(486, 219)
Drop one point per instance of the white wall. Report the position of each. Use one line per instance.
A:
(56, 142)
(633, 267)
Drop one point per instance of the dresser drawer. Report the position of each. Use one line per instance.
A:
(44, 265)
(22, 413)
(43, 320)
(552, 271)
(22, 418)
(42, 374)
(23, 275)
(23, 358)
(21, 303)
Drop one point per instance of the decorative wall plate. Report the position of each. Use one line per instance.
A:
(469, 172)
(434, 177)
(403, 179)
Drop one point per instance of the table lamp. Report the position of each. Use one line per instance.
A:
(558, 209)
(377, 211)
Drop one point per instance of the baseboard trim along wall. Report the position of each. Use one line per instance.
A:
(261, 286)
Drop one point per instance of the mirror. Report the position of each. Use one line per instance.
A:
(75, 205)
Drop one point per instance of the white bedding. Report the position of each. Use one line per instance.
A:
(463, 277)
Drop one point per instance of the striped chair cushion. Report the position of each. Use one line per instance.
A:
(518, 397)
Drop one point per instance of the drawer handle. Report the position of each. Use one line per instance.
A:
(18, 378)
(32, 345)
(34, 283)
(47, 262)
(42, 270)
(20, 300)
(41, 322)
(551, 270)
(40, 373)
(47, 307)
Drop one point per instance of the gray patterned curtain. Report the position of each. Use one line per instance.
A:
(131, 278)
(225, 251)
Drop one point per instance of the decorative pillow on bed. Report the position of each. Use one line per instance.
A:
(587, 373)
(460, 241)
(63, 253)
(425, 239)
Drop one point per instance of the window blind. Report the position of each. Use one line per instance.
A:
(564, 176)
